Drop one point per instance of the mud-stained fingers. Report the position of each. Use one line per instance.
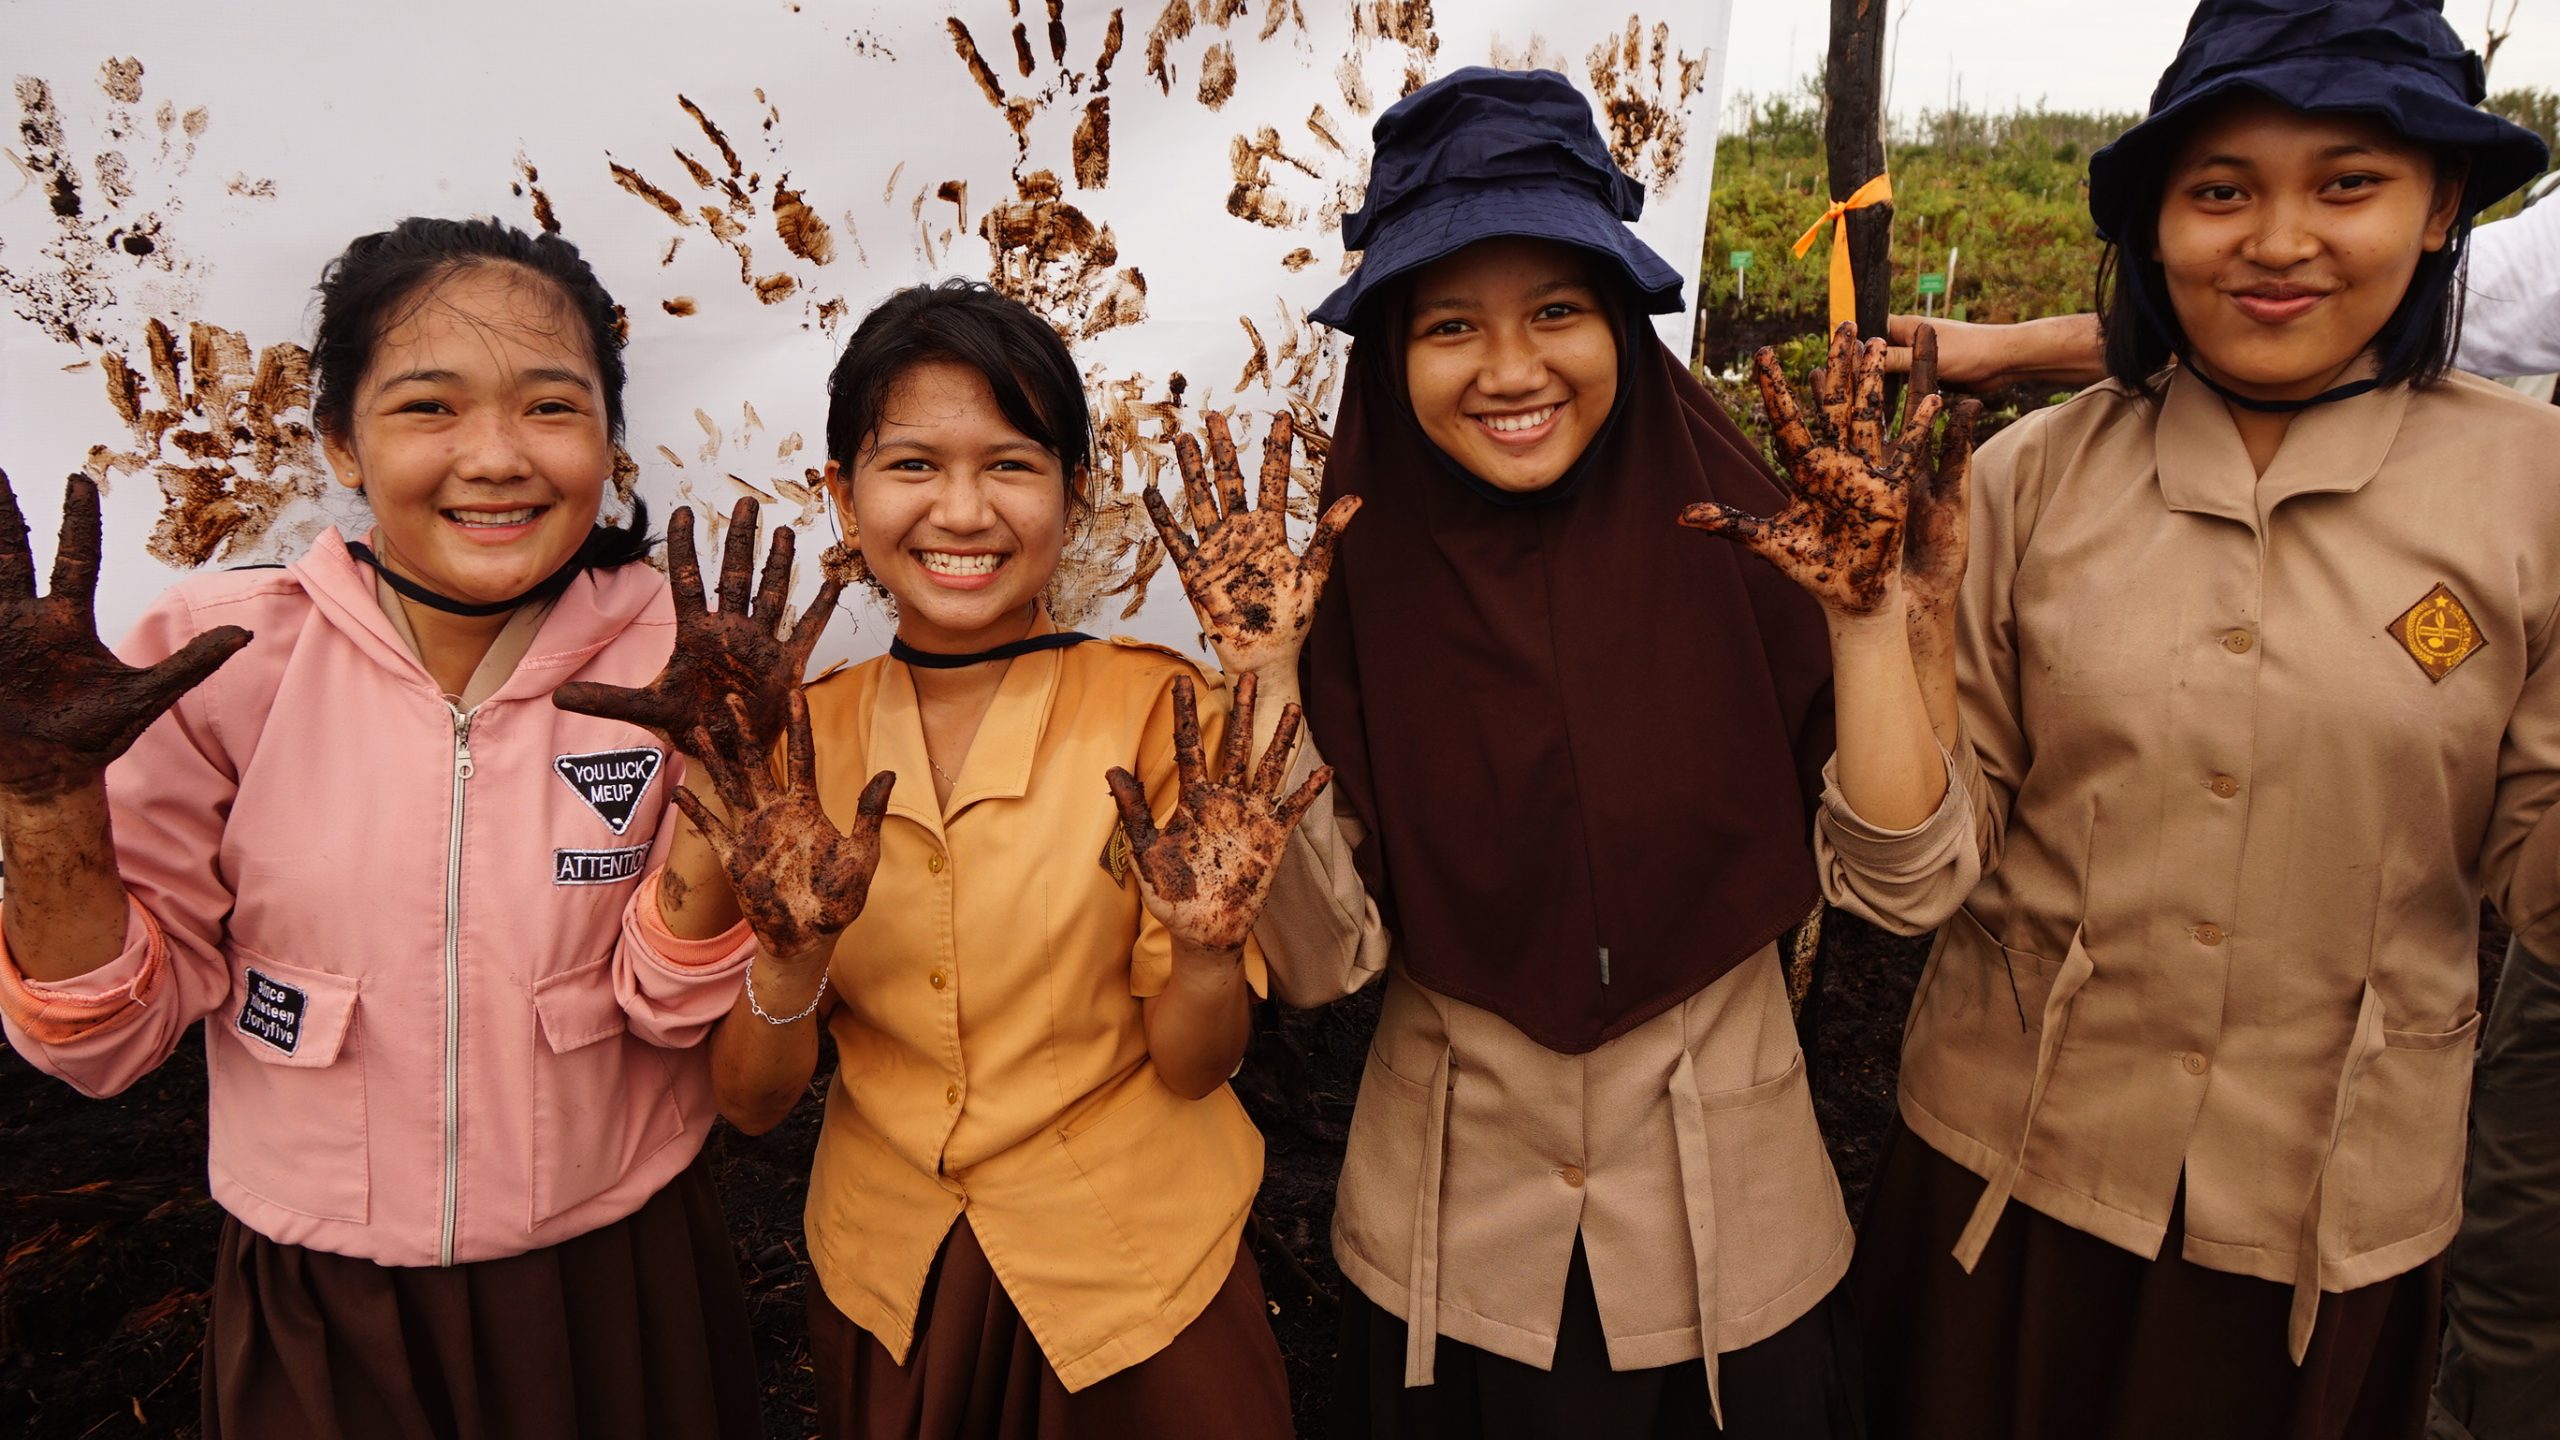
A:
(1317, 565)
(1778, 402)
(1277, 755)
(1176, 544)
(871, 807)
(175, 676)
(1186, 738)
(684, 563)
(1275, 462)
(775, 593)
(75, 548)
(1955, 456)
(1223, 465)
(1195, 485)
(738, 559)
(1835, 384)
(1924, 364)
(714, 826)
(1866, 403)
(800, 756)
(1911, 448)
(1721, 519)
(1291, 809)
(1137, 821)
(1235, 753)
(17, 553)
(648, 709)
(835, 569)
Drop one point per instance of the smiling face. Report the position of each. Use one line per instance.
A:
(478, 435)
(958, 514)
(2288, 239)
(1510, 359)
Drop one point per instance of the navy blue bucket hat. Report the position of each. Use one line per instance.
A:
(1480, 153)
(2397, 60)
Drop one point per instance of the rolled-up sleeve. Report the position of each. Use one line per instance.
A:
(1907, 881)
(672, 989)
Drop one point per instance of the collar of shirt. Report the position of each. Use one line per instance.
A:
(2204, 467)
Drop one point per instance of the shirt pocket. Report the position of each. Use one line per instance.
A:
(1777, 1208)
(1164, 1171)
(286, 1068)
(603, 1099)
(2397, 1173)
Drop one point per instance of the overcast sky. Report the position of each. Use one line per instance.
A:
(2073, 54)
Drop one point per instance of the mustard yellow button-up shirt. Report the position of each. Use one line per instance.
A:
(2244, 753)
(985, 1008)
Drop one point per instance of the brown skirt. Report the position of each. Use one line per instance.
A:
(2057, 1332)
(1799, 1384)
(636, 1329)
(975, 1371)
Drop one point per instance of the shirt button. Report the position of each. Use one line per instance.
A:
(1573, 1176)
(2193, 1061)
(951, 1095)
(934, 864)
(2224, 786)
(940, 979)
(2208, 934)
(2237, 641)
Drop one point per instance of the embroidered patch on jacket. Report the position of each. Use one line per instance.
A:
(596, 867)
(2438, 633)
(272, 1012)
(1115, 856)
(611, 781)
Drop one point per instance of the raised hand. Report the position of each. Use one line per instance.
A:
(1253, 596)
(799, 880)
(68, 706)
(1208, 869)
(735, 649)
(1934, 531)
(1840, 535)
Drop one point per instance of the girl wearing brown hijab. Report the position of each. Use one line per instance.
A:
(1576, 750)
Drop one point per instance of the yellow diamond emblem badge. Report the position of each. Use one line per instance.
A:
(2438, 633)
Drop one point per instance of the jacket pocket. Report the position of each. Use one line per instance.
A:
(1770, 1203)
(287, 1120)
(603, 1099)
(2397, 1173)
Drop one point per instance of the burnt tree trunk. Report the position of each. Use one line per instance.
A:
(1853, 147)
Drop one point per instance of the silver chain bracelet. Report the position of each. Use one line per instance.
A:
(768, 1016)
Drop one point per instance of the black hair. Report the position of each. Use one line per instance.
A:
(2141, 329)
(379, 280)
(965, 322)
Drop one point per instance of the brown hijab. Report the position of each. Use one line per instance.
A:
(1583, 740)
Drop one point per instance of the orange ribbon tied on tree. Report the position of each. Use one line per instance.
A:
(1844, 283)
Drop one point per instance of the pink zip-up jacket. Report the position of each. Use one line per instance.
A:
(429, 1039)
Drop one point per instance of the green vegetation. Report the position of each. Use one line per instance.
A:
(2007, 192)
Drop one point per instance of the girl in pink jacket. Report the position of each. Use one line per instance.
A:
(335, 816)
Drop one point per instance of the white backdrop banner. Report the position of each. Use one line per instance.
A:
(1164, 180)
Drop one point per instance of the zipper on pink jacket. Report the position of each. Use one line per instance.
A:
(453, 988)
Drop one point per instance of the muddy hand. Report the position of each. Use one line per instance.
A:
(68, 706)
(798, 879)
(734, 648)
(1840, 535)
(1208, 869)
(1934, 530)
(1253, 596)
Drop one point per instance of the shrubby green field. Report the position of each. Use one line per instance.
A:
(2007, 192)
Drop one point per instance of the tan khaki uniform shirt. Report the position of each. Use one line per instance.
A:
(1684, 1152)
(991, 1053)
(2245, 752)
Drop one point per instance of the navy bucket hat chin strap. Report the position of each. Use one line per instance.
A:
(2395, 60)
(1481, 153)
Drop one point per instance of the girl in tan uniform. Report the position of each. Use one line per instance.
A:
(1584, 1192)
(2257, 703)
